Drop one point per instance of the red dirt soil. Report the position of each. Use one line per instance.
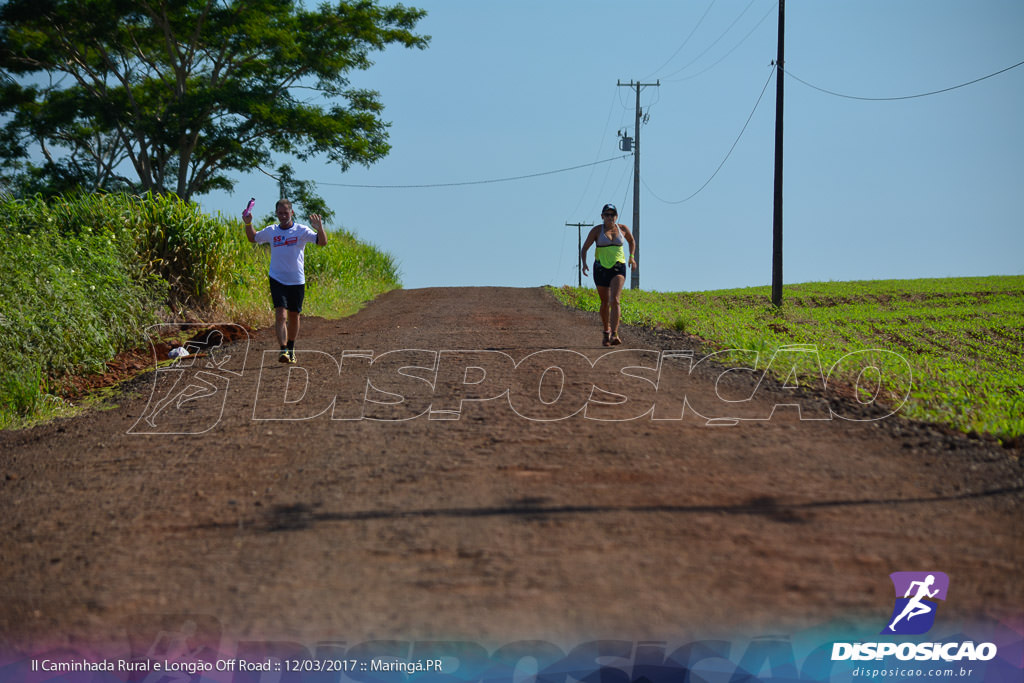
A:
(491, 526)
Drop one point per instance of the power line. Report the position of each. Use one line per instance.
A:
(903, 97)
(590, 177)
(708, 48)
(729, 154)
(628, 177)
(625, 195)
(731, 50)
(604, 132)
(685, 42)
(458, 184)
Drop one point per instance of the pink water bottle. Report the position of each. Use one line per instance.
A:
(248, 208)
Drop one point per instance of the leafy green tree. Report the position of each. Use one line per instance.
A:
(302, 194)
(173, 96)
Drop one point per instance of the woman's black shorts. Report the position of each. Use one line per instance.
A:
(287, 296)
(603, 276)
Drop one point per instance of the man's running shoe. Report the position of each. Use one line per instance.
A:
(284, 358)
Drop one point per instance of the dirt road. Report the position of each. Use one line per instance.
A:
(506, 520)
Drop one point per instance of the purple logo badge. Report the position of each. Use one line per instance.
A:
(916, 596)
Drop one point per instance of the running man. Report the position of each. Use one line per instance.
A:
(916, 606)
(287, 242)
(609, 268)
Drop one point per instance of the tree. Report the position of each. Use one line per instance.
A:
(174, 95)
(302, 194)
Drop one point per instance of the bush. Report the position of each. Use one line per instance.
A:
(83, 276)
(70, 297)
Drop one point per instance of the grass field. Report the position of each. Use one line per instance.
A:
(963, 338)
(83, 276)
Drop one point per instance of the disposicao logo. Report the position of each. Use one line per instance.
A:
(916, 593)
(913, 614)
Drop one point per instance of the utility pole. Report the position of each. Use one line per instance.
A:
(579, 247)
(634, 280)
(780, 71)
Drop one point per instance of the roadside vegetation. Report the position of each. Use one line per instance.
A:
(83, 276)
(963, 338)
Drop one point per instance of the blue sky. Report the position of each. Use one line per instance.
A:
(924, 187)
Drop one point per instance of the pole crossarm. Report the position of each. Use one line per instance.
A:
(636, 84)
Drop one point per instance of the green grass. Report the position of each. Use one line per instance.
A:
(83, 276)
(68, 302)
(963, 338)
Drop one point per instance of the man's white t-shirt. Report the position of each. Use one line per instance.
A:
(287, 251)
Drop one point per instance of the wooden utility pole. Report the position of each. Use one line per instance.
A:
(634, 280)
(780, 72)
(579, 247)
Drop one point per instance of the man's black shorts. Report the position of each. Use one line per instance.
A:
(287, 296)
(603, 276)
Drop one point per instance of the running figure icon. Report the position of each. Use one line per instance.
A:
(916, 606)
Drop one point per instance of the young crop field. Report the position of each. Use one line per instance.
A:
(962, 339)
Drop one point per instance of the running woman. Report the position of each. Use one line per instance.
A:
(609, 268)
(287, 241)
